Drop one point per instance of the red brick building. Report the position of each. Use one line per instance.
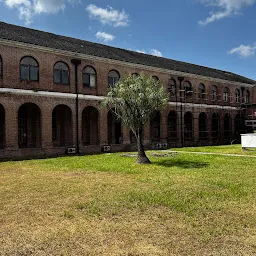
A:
(51, 88)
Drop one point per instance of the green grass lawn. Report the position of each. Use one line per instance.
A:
(230, 149)
(184, 204)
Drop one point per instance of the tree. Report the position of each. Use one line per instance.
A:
(134, 100)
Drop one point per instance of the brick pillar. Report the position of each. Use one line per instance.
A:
(209, 127)
(125, 134)
(163, 125)
(222, 127)
(11, 126)
(73, 110)
(103, 126)
(46, 125)
(196, 127)
(80, 122)
(178, 141)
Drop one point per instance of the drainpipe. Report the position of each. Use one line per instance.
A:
(76, 63)
(180, 78)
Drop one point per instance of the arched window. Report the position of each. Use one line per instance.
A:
(61, 73)
(188, 89)
(201, 94)
(155, 78)
(172, 88)
(247, 97)
(1, 67)
(113, 78)
(214, 92)
(29, 69)
(226, 94)
(89, 77)
(237, 95)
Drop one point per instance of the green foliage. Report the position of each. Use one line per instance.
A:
(134, 100)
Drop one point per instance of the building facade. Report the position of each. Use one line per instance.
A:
(51, 88)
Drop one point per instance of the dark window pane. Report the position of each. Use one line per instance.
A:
(110, 81)
(115, 80)
(65, 77)
(34, 73)
(1, 68)
(86, 79)
(24, 73)
(57, 76)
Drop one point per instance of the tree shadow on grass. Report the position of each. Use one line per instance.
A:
(181, 164)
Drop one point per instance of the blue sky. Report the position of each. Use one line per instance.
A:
(214, 33)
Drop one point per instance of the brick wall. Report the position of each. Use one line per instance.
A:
(11, 57)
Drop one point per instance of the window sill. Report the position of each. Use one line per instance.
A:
(61, 84)
(89, 87)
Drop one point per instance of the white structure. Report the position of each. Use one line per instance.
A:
(248, 140)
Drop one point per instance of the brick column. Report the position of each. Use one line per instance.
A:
(126, 135)
(103, 126)
(178, 140)
(163, 125)
(46, 127)
(11, 126)
(196, 126)
(74, 124)
(80, 122)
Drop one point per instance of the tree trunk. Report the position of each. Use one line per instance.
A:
(142, 158)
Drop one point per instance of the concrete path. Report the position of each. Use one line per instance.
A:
(209, 153)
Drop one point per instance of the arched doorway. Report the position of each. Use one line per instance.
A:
(114, 129)
(188, 126)
(227, 128)
(215, 128)
(240, 127)
(203, 129)
(155, 127)
(62, 127)
(29, 126)
(90, 129)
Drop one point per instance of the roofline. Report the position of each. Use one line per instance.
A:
(122, 63)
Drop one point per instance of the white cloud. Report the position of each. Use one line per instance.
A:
(244, 50)
(104, 36)
(108, 16)
(141, 51)
(151, 52)
(29, 8)
(156, 53)
(227, 8)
